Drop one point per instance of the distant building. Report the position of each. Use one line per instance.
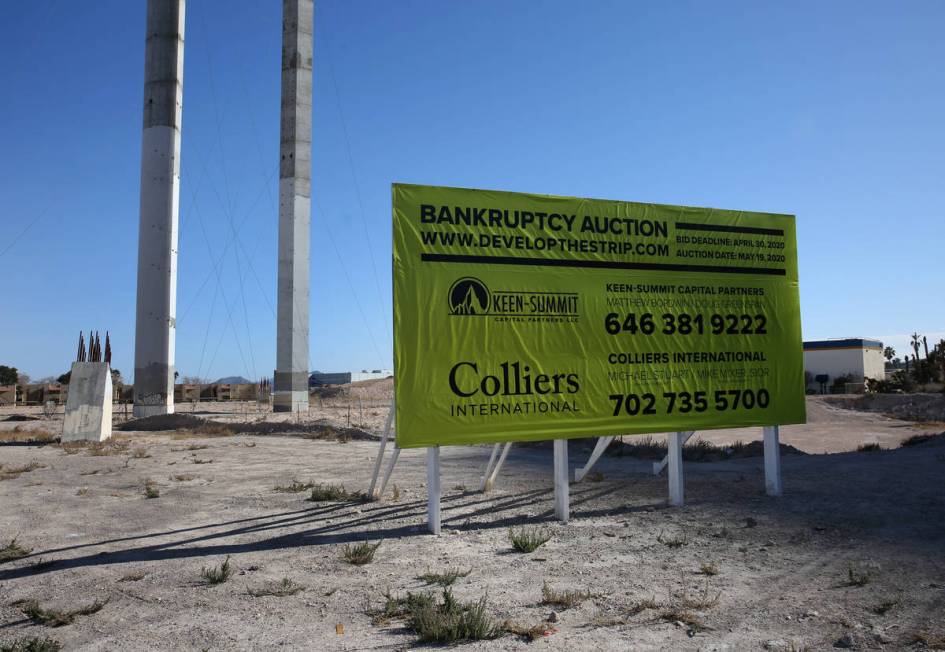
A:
(318, 378)
(8, 394)
(854, 357)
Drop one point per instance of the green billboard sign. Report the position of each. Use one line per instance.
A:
(529, 317)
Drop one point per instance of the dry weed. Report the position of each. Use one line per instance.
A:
(13, 551)
(55, 618)
(443, 579)
(280, 589)
(11, 472)
(564, 599)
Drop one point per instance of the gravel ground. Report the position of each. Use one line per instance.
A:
(784, 566)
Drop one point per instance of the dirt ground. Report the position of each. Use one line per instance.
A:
(852, 554)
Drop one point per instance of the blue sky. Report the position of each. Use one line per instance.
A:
(830, 111)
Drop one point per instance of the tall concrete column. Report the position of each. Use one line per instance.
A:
(290, 387)
(160, 191)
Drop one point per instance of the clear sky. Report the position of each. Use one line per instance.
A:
(832, 111)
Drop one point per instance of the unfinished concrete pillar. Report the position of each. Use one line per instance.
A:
(160, 190)
(290, 387)
(89, 404)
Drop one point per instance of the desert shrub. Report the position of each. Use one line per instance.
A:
(332, 493)
(360, 554)
(217, 574)
(451, 621)
(528, 539)
(858, 575)
(13, 551)
(294, 487)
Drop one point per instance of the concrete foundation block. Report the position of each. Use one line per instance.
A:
(89, 406)
(290, 401)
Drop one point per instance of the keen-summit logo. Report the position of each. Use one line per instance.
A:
(513, 388)
(470, 297)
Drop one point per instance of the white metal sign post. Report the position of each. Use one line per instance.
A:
(673, 460)
(375, 492)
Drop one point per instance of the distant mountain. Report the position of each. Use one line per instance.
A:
(233, 380)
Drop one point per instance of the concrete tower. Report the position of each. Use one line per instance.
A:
(290, 390)
(160, 190)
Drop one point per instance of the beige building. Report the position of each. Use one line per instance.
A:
(854, 357)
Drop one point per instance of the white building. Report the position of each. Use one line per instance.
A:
(858, 358)
(319, 378)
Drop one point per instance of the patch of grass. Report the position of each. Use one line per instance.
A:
(294, 487)
(182, 477)
(672, 541)
(451, 621)
(361, 553)
(105, 448)
(564, 599)
(217, 574)
(709, 569)
(928, 639)
(528, 632)
(280, 589)
(332, 493)
(443, 579)
(140, 453)
(528, 539)
(687, 618)
(134, 576)
(13, 551)
(858, 575)
(151, 490)
(700, 600)
(885, 606)
(55, 618)
(872, 447)
(11, 472)
(32, 644)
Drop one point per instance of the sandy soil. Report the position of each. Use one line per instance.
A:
(783, 564)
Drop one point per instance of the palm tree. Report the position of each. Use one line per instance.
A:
(889, 353)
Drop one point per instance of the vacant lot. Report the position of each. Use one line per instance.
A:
(127, 543)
